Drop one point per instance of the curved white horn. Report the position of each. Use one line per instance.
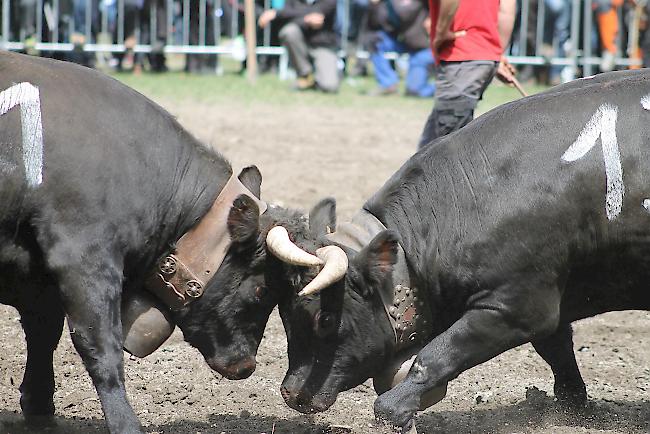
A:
(336, 265)
(278, 242)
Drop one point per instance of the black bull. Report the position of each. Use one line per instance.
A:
(96, 183)
(535, 215)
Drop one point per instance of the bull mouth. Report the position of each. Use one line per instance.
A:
(305, 404)
(238, 370)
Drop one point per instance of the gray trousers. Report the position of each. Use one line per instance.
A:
(325, 60)
(459, 88)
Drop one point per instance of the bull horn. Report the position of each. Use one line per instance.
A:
(278, 242)
(336, 265)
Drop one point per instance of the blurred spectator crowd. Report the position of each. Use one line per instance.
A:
(580, 37)
(554, 40)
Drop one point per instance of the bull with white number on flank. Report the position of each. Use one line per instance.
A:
(103, 195)
(535, 215)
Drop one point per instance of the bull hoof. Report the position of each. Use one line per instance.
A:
(36, 408)
(39, 423)
(572, 397)
(409, 428)
(398, 415)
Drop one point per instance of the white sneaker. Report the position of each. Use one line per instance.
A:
(607, 61)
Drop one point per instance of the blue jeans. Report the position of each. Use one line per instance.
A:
(420, 63)
(79, 14)
(559, 15)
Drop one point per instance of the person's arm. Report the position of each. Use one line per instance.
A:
(320, 9)
(293, 10)
(325, 7)
(444, 34)
(266, 17)
(507, 8)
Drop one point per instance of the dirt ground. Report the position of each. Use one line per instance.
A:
(306, 153)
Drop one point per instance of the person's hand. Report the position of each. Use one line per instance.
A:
(427, 25)
(505, 71)
(444, 37)
(266, 17)
(314, 20)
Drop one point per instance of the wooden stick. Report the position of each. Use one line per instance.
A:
(519, 86)
(251, 42)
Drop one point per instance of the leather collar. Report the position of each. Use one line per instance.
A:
(404, 305)
(182, 274)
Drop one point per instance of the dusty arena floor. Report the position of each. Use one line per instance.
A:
(306, 152)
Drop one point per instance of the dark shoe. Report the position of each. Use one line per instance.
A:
(360, 70)
(383, 91)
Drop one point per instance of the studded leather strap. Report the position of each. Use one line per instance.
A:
(405, 307)
(181, 276)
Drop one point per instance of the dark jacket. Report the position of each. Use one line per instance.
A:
(294, 11)
(402, 19)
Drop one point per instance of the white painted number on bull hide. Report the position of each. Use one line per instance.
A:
(645, 102)
(603, 124)
(27, 96)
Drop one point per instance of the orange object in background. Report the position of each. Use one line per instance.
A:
(608, 28)
(637, 55)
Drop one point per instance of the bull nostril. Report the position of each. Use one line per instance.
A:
(243, 369)
(246, 368)
(300, 400)
(286, 395)
(303, 400)
(234, 371)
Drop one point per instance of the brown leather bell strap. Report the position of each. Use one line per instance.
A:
(182, 275)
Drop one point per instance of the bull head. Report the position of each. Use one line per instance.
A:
(332, 258)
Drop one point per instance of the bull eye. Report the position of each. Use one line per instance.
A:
(324, 323)
(260, 292)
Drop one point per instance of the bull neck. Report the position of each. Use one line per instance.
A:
(404, 305)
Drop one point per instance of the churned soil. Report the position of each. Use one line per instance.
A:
(306, 153)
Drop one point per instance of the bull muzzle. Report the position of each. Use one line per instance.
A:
(304, 402)
(233, 370)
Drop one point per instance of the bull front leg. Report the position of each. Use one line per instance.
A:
(91, 297)
(42, 321)
(557, 351)
(479, 335)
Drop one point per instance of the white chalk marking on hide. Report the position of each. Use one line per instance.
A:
(27, 96)
(645, 102)
(419, 370)
(603, 124)
(646, 204)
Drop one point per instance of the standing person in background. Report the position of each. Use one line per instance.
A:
(468, 39)
(607, 19)
(201, 63)
(559, 17)
(308, 34)
(84, 30)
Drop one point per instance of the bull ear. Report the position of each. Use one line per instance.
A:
(375, 262)
(322, 217)
(243, 219)
(252, 179)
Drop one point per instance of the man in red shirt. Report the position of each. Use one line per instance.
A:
(468, 38)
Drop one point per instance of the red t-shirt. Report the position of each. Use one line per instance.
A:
(479, 18)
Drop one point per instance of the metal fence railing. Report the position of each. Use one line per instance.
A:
(582, 46)
(214, 27)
